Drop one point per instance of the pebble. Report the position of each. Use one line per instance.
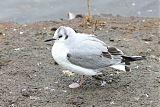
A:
(12, 105)
(53, 29)
(136, 98)
(110, 39)
(34, 98)
(148, 39)
(46, 88)
(112, 102)
(158, 79)
(14, 29)
(137, 67)
(64, 91)
(153, 56)
(74, 85)
(68, 73)
(52, 90)
(56, 82)
(143, 20)
(21, 33)
(146, 95)
(103, 83)
(25, 92)
(17, 49)
(39, 63)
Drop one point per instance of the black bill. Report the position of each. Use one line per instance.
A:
(49, 40)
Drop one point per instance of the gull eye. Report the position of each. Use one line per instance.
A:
(60, 36)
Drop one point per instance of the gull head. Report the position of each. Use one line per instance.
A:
(62, 34)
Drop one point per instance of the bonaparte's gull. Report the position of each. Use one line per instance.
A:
(85, 54)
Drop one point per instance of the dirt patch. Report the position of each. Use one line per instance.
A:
(29, 77)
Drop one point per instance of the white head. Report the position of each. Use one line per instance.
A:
(62, 34)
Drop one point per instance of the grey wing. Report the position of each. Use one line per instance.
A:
(92, 54)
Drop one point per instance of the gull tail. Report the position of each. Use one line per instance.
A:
(126, 61)
(121, 67)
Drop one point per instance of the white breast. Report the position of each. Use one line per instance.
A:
(59, 53)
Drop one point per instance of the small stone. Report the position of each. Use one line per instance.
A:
(21, 33)
(46, 88)
(147, 39)
(52, 90)
(110, 39)
(137, 67)
(113, 28)
(106, 31)
(136, 98)
(146, 95)
(110, 81)
(158, 79)
(14, 29)
(68, 73)
(103, 83)
(149, 50)
(111, 74)
(34, 98)
(25, 92)
(39, 63)
(153, 56)
(17, 49)
(143, 20)
(74, 85)
(64, 91)
(12, 105)
(53, 29)
(56, 82)
(112, 102)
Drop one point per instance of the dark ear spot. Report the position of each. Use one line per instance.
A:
(66, 37)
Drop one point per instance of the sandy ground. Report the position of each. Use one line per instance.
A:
(29, 77)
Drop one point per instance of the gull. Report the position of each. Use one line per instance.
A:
(85, 54)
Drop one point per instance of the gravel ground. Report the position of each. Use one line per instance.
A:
(29, 77)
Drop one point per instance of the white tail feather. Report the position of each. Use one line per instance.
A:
(119, 67)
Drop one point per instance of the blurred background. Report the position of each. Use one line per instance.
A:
(25, 11)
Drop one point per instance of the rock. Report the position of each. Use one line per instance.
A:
(110, 39)
(53, 29)
(25, 92)
(147, 39)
